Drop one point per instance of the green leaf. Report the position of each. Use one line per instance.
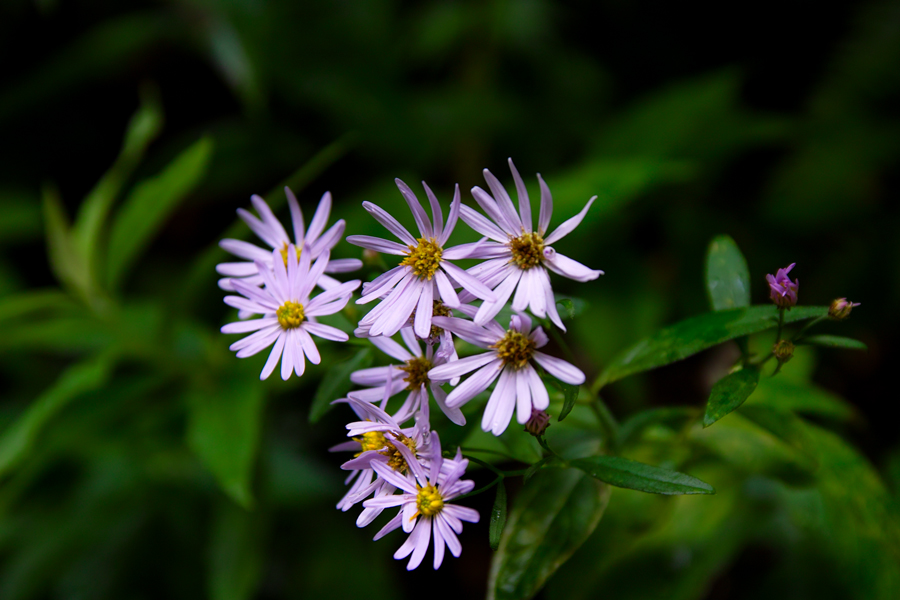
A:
(17, 440)
(634, 475)
(41, 301)
(834, 341)
(554, 514)
(236, 554)
(688, 337)
(66, 263)
(803, 398)
(149, 204)
(783, 424)
(225, 418)
(570, 395)
(729, 393)
(498, 516)
(336, 383)
(676, 416)
(727, 275)
(88, 228)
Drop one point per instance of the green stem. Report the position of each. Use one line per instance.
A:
(481, 489)
(799, 335)
(780, 324)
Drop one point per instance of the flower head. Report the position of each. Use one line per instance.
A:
(269, 229)
(424, 275)
(425, 507)
(783, 291)
(519, 255)
(288, 312)
(511, 355)
(840, 309)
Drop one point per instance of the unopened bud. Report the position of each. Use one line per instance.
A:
(783, 291)
(840, 309)
(783, 350)
(538, 423)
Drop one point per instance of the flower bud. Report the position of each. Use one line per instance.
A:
(783, 350)
(538, 423)
(840, 309)
(783, 291)
(370, 257)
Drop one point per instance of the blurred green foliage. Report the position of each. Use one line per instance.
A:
(140, 459)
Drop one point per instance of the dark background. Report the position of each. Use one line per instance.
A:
(776, 123)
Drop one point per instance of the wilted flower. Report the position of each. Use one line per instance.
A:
(840, 309)
(424, 275)
(518, 255)
(782, 290)
(289, 314)
(424, 504)
(509, 356)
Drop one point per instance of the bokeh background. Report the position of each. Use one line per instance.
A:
(161, 468)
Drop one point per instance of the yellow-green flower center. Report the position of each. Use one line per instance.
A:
(417, 368)
(429, 501)
(424, 258)
(371, 440)
(515, 348)
(395, 458)
(290, 315)
(527, 250)
(284, 253)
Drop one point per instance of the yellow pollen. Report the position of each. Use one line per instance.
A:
(437, 310)
(417, 367)
(424, 258)
(395, 459)
(515, 348)
(527, 250)
(371, 440)
(290, 315)
(284, 252)
(428, 501)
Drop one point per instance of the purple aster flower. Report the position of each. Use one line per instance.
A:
(782, 290)
(425, 510)
(376, 438)
(518, 255)
(289, 314)
(509, 357)
(423, 276)
(414, 374)
(269, 229)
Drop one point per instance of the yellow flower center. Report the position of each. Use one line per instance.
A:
(437, 310)
(417, 368)
(284, 253)
(515, 348)
(428, 501)
(395, 458)
(371, 440)
(290, 315)
(424, 258)
(527, 250)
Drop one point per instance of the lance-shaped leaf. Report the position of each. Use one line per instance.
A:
(634, 475)
(834, 341)
(498, 516)
(336, 383)
(570, 395)
(553, 515)
(727, 275)
(150, 203)
(688, 337)
(729, 393)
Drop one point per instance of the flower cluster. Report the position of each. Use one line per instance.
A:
(430, 302)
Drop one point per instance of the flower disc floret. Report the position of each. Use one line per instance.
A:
(371, 440)
(527, 250)
(417, 368)
(515, 349)
(394, 456)
(428, 501)
(290, 315)
(425, 258)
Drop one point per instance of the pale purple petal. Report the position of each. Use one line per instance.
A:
(257, 295)
(343, 265)
(236, 269)
(467, 281)
(481, 224)
(454, 414)
(445, 289)
(296, 217)
(257, 342)
(539, 396)
(560, 369)
(390, 223)
(522, 192)
(489, 309)
(572, 269)
(467, 330)
(274, 355)
(326, 332)
(382, 284)
(489, 204)
(504, 203)
(448, 535)
(291, 344)
(438, 542)
(391, 348)
(320, 219)
(245, 250)
(329, 239)
(546, 207)
(247, 326)
(455, 205)
(415, 207)
(389, 527)
(436, 214)
(378, 244)
(409, 338)
(460, 367)
(569, 226)
(424, 310)
(250, 306)
(261, 230)
(523, 397)
(423, 535)
(539, 338)
(308, 345)
(475, 384)
(269, 218)
(500, 405)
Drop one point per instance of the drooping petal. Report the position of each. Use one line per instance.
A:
(560, 369)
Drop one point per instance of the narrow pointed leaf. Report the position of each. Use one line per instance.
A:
(67, 264)
(634, 475)
(729, 393)
(556, 511)
(688, 337)
(498, 516)
(834, 341)
(570, 395)
(149, 204)
(336, 383)
(727, 275)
